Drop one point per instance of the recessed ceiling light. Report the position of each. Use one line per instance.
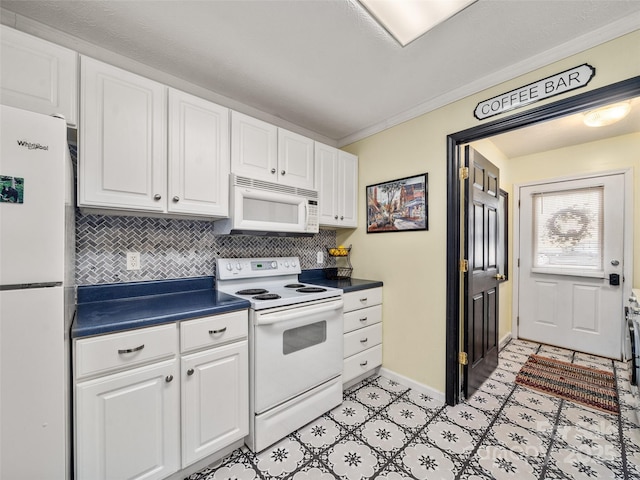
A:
(607, 115)
(406, 20)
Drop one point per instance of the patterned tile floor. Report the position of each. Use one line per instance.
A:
(384, 430)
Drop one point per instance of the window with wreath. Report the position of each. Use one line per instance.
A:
(568, 229)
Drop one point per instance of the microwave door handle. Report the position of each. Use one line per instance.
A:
(278, 317)
(306, 216)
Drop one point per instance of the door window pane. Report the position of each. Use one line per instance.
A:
(568, 229)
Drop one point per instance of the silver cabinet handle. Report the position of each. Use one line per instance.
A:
(364, 319)
(176, 199)
(282, 172)
(221, 330)
(273, 170)
(168, 378)
(131, 350)
(363, 299)
(190, 371)
(364, 364)
(364, 340)
(157, 196)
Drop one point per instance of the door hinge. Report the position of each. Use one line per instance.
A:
(462, 358)
(464, 265)
(518, 262)
(518, 320)
(463, 173)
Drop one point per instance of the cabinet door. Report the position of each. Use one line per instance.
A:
(347, 189)
(254, 148)
(127, 424)
(215, 400)
(198, 156)
(295, 159)
(122, 162)
(326, 164)
(37, 75)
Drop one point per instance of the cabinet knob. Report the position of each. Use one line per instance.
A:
(282, 172)
(341, 217)
(176, 199)
(157, 196)
(168, 378)
(273, 170)
(190, 371)
(336, 217)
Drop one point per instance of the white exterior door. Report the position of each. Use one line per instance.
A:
(571, 264)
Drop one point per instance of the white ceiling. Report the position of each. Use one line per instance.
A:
(325, 65)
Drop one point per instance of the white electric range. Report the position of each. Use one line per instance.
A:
(295, 344)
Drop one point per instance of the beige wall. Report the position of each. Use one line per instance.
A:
(412, 264)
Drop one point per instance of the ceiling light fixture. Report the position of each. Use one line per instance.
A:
(407, 20)
(607, 115)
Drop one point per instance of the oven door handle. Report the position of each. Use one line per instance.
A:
(284, 315)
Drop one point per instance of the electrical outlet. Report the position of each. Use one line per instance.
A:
(320, 257)
(133, 260)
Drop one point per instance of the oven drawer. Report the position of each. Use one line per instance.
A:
(214, 330)
(101, 354)
(362, 363)
(362, 318)
(362, 339)
(362, 298)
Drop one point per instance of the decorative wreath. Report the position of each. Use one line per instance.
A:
(561, 224)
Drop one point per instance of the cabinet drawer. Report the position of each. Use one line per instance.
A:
(362, 318)
(127, 349)
(362, 298)
(362, 339)
(208, 331)
(361, 363)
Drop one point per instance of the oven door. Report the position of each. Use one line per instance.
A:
(294, 349)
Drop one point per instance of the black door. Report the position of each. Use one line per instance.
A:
(480, 281)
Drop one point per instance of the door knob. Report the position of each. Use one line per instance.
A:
(615, 263)
(499, 276)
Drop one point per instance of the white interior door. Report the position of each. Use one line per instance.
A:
(571, 250)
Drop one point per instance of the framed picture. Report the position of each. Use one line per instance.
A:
(398, 205)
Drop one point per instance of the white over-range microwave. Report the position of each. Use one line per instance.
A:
(259, 207)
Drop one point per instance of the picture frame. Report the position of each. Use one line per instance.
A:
(399, 205)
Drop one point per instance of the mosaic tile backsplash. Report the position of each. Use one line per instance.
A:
(171, 248)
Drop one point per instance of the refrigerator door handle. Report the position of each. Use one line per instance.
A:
(24, 286)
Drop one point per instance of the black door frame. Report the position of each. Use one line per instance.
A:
(578, 103)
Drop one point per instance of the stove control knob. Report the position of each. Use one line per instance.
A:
(229, 267)
(274, 264)
(238, 266)
(286, 264)
(293, 264)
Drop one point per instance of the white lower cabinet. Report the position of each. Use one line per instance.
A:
(215, 396)
(362, 333)
(128, 424)
(142, 411)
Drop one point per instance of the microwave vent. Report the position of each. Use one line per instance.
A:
(273, 187)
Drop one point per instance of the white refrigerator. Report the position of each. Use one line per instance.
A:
(36, 295)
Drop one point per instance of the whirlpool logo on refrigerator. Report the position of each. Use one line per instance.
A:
(32, 146)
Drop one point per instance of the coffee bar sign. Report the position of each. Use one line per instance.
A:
(534, 92)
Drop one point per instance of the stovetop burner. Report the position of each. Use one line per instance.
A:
(294, 285)
(252, 291)
(311, 290)
(267, 296)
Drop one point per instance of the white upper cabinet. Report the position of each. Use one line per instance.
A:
(263, 151)
(295, 159)
(254, 148)
(122, 149)
(336, 175)
(135, 158)
(37, 75)
(198, 156)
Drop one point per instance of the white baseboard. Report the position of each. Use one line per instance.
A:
(418, 387)
(504, 340)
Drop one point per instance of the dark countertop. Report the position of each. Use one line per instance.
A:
(317, 277)
(117, 307)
